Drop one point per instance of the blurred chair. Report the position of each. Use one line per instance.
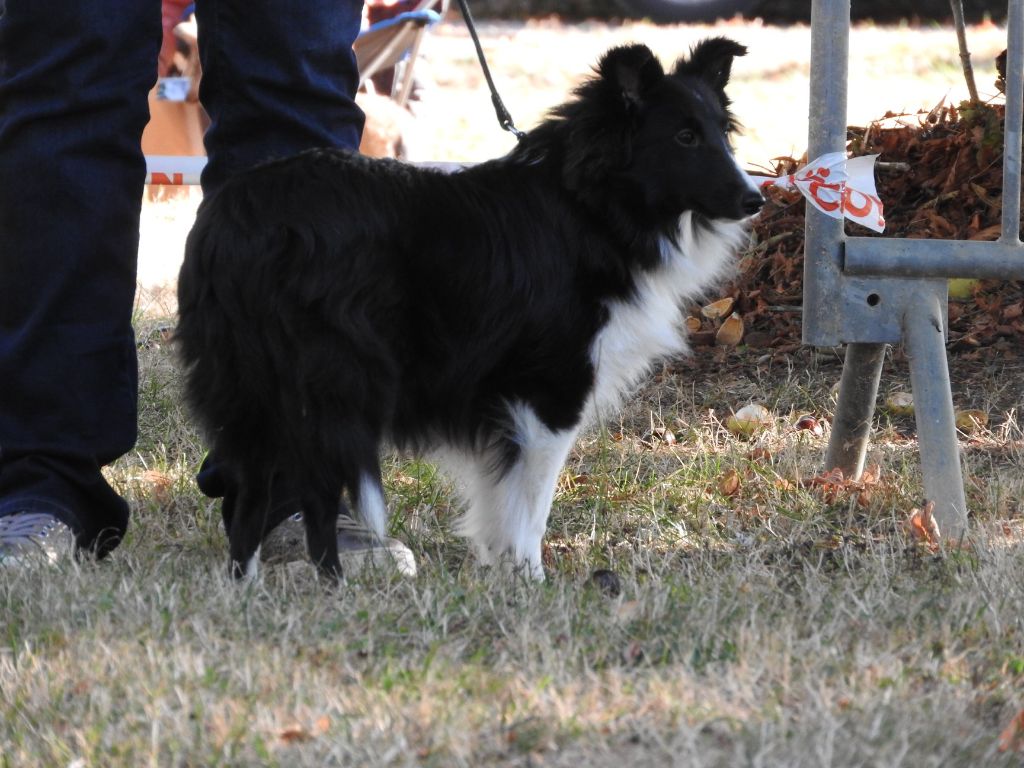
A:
(395, 43)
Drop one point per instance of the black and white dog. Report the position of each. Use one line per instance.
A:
(330, 304)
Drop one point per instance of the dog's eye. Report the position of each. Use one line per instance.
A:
(687, 138)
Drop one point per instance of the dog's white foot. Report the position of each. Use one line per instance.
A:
(510, 563)
(523, 568)
(249, 570)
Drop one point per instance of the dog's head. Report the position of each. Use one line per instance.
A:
(655, 142)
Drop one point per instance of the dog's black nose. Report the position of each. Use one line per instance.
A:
(752, 202)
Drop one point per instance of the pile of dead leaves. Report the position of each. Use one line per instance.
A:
(949, 174)
(939, 176)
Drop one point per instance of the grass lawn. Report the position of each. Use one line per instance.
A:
(760, 620)
(742, 614)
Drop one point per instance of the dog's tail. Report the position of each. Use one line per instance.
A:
(282, 363)
(226, 384)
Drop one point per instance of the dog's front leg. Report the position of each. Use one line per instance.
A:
(245, 511)
(508, 507)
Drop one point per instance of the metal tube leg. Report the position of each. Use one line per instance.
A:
(852, 423)
(924, 339)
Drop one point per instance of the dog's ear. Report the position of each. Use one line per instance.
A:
(597, 139)
(711, 60)
(633, 69)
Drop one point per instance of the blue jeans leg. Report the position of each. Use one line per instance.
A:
(277, 79)
(73, 85)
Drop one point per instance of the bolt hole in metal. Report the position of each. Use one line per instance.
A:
(874, 299)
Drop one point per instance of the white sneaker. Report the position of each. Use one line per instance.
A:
(33, 537)
(358, 547)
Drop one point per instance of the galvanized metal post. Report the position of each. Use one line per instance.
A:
(823, 257)
(876, 291)
(855, 408)
(830, 22)
(1012, 122)
(924, 339)
(851, 425)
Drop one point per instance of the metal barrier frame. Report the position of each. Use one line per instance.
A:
(869, 292)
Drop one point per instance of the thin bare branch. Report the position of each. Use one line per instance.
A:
(965, 56)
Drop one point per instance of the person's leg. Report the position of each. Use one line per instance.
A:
(277, 79)
(73, 84)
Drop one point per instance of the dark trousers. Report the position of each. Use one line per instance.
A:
(74, 78)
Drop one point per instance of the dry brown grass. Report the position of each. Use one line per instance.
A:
(765, 625)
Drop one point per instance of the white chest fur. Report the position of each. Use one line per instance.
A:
(647, 326)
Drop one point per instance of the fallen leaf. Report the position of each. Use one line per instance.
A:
(968, 341)
(971, 421)
(692, 324)
(830, 483)
(159, 484)
(808, 423)
(1013, 311)
(759, 453)
(702, 339)
(936, 111)
(731, 332)
(991, 232)
(871, 474)
(923, 527)
(1012, 737)
(833, 476)
(900, 404)
(749, 420)
(729, 482)
(294, 734)
(718, 309)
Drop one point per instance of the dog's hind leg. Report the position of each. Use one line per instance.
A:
(509, 505)
(368, 499)
(320, 516)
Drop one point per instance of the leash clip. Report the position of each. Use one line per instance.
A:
(509, 126)
(504, 118)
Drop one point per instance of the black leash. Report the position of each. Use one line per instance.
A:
(504, 118)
